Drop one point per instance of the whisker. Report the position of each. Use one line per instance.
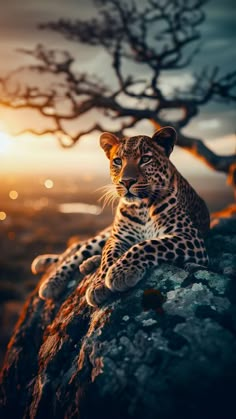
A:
(105, 187)
(109, 196)
(111, 192)
(105, 194)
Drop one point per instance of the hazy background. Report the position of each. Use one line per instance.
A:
(37, 177)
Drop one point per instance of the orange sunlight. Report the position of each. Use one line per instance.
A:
(5, 143)
(29, 154)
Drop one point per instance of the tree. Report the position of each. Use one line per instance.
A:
(160, 36)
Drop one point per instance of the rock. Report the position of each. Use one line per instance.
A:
(163, 350)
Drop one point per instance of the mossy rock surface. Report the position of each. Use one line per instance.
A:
(166, 349)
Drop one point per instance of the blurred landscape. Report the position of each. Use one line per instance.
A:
(34, 223)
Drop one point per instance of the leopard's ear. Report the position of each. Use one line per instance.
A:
(107, 141)
(166, 138)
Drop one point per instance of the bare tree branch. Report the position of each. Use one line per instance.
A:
(155, 36)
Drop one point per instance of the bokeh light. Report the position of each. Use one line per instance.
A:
(13, 194)
(11, 235)
(3, 215)
(49, 183)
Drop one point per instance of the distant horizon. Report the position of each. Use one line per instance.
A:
(34, 161)
(34, 155)
(213, 189)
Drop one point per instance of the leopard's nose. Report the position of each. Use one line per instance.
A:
(128, 182)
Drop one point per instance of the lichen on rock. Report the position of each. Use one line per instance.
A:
(165, 349)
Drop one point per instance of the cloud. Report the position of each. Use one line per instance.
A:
(18, 28)
(207, 124)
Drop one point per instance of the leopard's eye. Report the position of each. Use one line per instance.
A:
(145, 159)
(117, 161)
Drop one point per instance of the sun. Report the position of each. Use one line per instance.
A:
(5, 142)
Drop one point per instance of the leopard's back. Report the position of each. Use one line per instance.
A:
(193, 204)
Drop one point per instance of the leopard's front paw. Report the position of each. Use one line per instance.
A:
(121, 277)
(90, 265)
(50, 290)
(96, 295)
(42, 262)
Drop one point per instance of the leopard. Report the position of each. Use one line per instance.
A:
(159, 219)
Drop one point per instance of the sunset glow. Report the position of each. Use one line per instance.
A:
(5, 143)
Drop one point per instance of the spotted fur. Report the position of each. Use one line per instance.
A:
(60, 269)
(159, 218)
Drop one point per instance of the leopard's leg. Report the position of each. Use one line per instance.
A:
(42, 262)
(130, 268)
(97, 291)
(67, 267)
(90, 265)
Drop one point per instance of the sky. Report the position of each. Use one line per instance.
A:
(18, 29)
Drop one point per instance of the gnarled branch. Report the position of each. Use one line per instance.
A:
(153, 36)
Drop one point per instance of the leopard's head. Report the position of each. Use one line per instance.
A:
(140, 165)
